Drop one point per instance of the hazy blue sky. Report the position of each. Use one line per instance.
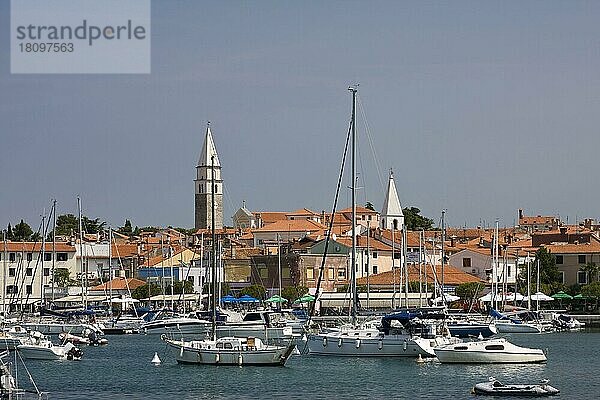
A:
(480, 108)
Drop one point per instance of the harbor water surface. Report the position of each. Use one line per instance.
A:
(122, 370)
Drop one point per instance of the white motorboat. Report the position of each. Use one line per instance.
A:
(12, 337)
(54, 327)
(508, 326)
(169, 322)
(229, 351)
(39, 347)
(566, 322)
(266, 325)
(493, 387)
(488, 351)
(91, 340)
(517, 322)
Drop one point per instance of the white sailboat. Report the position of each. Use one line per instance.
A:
(226, 350)
(370, 341)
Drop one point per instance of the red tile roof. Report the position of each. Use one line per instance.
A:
(31, 247)
(120, 284)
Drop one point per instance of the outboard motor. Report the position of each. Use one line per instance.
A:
(74, 353)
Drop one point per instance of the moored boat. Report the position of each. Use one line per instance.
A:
(229, 351)
(493, 387)
(39, 347)
(488, 351)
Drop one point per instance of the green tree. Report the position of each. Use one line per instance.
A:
(592, 270)
(591, 290)
(346, 288)
(256, 291)
(62, 278)
(225, 288)
(414, 221)
(413, 287)
(126, 229)
(293, 293)
(22, 232)
(179, 286)
(68, 224)
(549, 273)
(469, 291)
(143, 291)
(369, 206)
(9, 233)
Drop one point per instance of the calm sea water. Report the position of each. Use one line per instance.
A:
(122, 370)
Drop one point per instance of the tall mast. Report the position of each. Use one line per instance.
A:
(279, 268)
(214, 248)
(353, 260)
(42, 254)
(53, 243)
(4, 274)
(110, 277)
(368, 263)
(81, 258)
(405, 263)
(443, 255)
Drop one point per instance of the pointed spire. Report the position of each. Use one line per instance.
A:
(208, 150)
(392, 209)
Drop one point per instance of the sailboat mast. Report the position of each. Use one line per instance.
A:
(4, 274)
(43, 258)
(53, 244)
(443, 254)
(214, 248)
(279, 268)
(405, 263)
(81, 258)
(353, 260)
(110, 277)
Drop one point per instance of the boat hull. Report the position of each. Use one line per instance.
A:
(496, 389)
(40, 353)
(333, 344)
(185, 353)
(510, 327)
(488, 352)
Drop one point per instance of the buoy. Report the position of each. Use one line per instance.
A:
(155, 359)
(420, 359)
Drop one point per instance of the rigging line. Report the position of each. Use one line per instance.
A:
(370, 140)
(330, 228)
(42, 229)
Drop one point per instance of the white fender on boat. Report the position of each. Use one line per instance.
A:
(405, 345)
(380, 344)
(340, 341)
(324, 342)
(155, 359)
(217, 358)
(240, 359)
(181, 350)
(357, 343)
(420, 359)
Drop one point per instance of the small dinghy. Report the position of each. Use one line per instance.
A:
(493, 387)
